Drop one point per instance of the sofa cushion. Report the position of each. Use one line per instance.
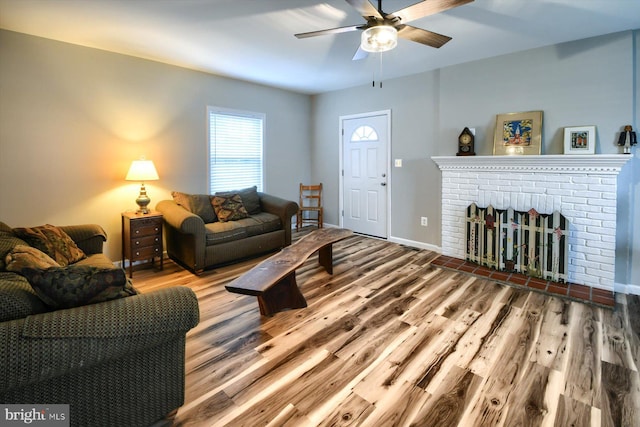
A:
(73, 286)
(53, 241)
(199, 204)
(260, 223)
(96, 260)
(229, 207)
(8, 240)
(249, 196)
(17, 298)
(22, 256)
(222, 232)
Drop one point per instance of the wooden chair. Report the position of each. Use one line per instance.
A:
(310, 202)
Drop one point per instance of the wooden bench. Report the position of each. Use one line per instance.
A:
(273, 281)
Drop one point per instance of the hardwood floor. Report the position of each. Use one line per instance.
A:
(390, 340)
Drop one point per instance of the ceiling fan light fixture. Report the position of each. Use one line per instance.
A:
(379, 38)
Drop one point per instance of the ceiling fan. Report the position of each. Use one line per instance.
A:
(381, 30)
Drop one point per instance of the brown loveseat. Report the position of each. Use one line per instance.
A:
(197, 238)
(118, 362)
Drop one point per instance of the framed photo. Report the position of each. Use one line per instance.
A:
(580, 140)
(518, 133)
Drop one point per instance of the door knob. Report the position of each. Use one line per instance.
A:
(383, 184)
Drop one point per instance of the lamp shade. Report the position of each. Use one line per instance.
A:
(379, 38)
(142, 170)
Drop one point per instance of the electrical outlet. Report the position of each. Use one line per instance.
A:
(424, 221)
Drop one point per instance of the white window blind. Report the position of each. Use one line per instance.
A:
(235, 149)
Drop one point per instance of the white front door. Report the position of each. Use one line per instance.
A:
(365, 146)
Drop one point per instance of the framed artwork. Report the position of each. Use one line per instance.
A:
(518, 133)
(580, 140)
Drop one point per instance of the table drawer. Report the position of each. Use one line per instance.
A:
(145, 228)
(148, 252)
(143, 242)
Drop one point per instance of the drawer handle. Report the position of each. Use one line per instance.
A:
(137, 231)
(137, 243)
(137, 253)
(157, 229)
(157, 239)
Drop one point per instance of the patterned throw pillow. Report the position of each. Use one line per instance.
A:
(53, 241)
(22, 256)
(229, 208)
(76, 285)
(250, 198)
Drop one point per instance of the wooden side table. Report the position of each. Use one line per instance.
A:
(141, 238)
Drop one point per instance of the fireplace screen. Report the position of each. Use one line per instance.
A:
(525, 242)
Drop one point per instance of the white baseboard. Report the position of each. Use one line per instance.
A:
(416, 244)
(118, 263)
(626, 289)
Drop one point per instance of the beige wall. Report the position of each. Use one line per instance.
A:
(72, 119)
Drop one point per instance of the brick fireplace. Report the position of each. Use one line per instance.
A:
(583, 188)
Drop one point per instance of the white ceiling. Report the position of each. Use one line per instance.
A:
(254, 39)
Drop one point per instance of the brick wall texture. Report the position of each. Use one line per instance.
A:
(587, 200)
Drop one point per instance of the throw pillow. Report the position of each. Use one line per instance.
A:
(250, 198)
(229, 208)
(22, 256)
(199, 204)
(182, 199)
(73, 286)
(53, 241)
(8, 240)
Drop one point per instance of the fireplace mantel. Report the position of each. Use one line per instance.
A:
(557, 163)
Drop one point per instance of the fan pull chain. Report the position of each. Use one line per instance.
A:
(373, 77)
(380, 70)
(373, 82)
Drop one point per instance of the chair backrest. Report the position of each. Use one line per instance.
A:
(311, 195)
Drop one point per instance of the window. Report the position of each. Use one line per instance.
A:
(364, 133)
(235, 149)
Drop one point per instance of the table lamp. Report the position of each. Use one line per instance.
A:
(142, 170)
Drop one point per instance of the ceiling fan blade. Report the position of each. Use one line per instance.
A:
(329, 31)
(426, 8)
(423, 36)
(360, 54)
(365, 8)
